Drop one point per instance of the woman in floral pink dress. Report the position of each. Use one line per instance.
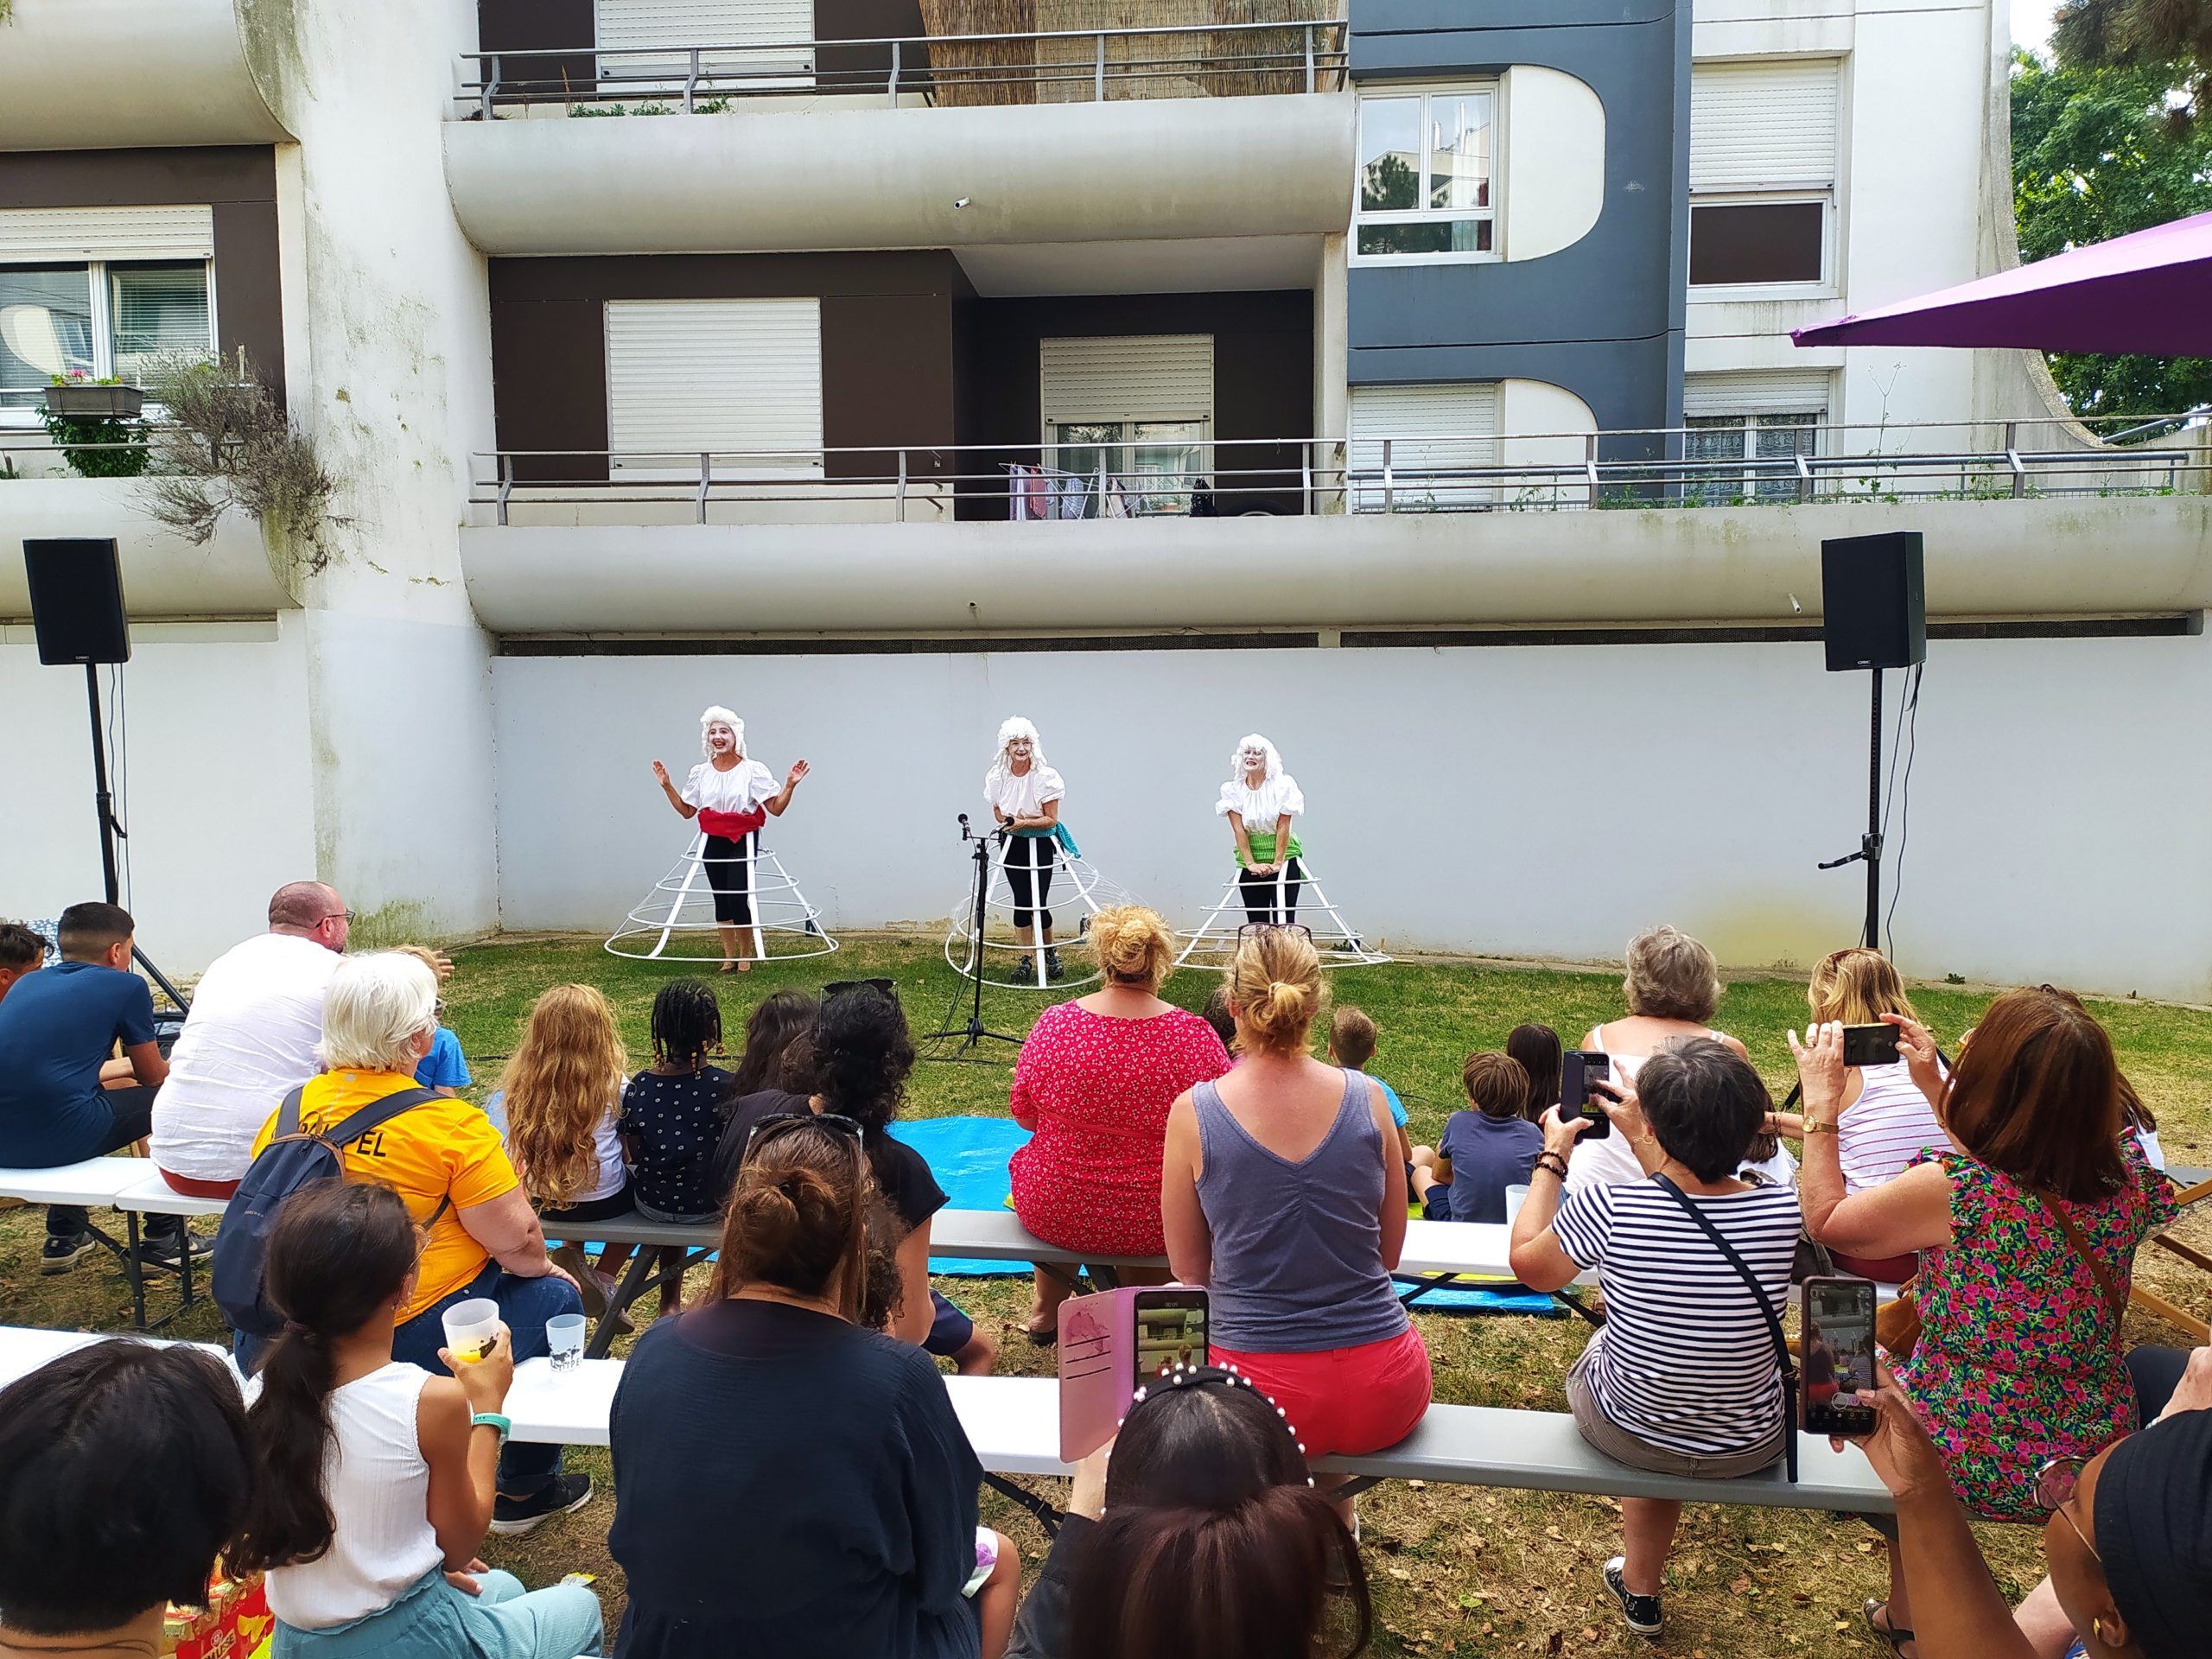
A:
(1093, 1083)
(2027, 1231)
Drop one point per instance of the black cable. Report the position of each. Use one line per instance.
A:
(1905, 812)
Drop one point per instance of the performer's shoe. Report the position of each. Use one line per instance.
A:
(1026, 970)
(1052, 969)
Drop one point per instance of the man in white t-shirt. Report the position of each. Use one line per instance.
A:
(249, 1041)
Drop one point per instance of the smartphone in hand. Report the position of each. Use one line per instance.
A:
(1870, 1045)
(1839, 1356)
(1577, 1069)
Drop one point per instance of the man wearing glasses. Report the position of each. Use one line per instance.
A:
(249, 1041)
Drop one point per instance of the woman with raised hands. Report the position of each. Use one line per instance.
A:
(2026, 1222)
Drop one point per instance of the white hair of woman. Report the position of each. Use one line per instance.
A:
(1015, 726)
(719, 716)
(1239, 764)
(376, 1006)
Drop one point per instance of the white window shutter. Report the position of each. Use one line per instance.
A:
(740, 377)
(58, 235)
(1128, 377)
(1434, 431)
(1763, 126)
(1781, 391)
(782, 27)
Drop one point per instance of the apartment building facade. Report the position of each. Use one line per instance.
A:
(676, 351)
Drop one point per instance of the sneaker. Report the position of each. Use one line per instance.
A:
(1642, 1612)
(564, 1495)
(62, 1254)
(167, 1248)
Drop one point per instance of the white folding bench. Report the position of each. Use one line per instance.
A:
(130, 1185)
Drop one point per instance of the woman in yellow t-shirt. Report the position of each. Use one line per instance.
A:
(444, 1160)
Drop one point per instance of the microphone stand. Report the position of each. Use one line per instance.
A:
(974, 1033)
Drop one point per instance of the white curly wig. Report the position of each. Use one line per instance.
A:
(1254, 741)
(719, 716)
(1015, 726)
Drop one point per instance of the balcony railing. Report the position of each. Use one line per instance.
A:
(1047, 67)
(1446, 473)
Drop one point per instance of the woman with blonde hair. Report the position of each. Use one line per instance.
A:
(1283, 1192)
(1093, 1086)
(558, 1105)
(1673, 987)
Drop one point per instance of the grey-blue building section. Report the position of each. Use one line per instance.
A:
(1604, 318)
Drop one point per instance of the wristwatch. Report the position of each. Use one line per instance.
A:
(492, 1420)
(1813, 1128)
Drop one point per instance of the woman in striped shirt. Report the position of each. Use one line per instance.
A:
(1683, 1379)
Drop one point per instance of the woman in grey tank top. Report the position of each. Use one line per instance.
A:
(1283, 1194)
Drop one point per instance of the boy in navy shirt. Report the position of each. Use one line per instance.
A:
(57, 1026)
(1481, 1152)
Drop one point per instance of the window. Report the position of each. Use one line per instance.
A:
(1134, 407)
(1764, 148)
(1748, 437)
(1427, 167)
(1438, 434)
(97, 319)
(739, 378)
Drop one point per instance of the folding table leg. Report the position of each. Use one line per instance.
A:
(635, 1278)
(1047, 1516)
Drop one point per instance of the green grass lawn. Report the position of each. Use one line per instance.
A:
(1457, 1570)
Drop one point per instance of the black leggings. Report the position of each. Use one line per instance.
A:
(1260, 894)
(729, 872)
(1029, 859)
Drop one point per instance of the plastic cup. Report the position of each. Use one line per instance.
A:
(1515, 1196)
(470, 1327)
(565, 1340)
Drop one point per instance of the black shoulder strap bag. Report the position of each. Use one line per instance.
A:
(1773, 1322)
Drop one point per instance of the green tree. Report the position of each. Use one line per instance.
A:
(2173, 36)
(2096, 154)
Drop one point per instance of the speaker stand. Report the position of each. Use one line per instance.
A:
(103, 806)
(1870, 844)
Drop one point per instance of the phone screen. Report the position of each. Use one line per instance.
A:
(1578, 1068)
(1870, 1045)
(1839, 1349)
(1171, 1328)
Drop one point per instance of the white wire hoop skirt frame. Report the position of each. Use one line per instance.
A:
(675, 922)
(1212, 943)
(997, 957)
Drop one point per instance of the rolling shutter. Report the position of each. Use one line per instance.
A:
(1786, 391)
(783, 26)
(1128, 377)
(737, 376)
(56, 235)
(1763, 126)
(1435, 430)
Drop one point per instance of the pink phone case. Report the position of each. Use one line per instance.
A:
(1099, 1365)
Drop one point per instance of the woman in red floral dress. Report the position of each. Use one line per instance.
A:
(1093, 1085)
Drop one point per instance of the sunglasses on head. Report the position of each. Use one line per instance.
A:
(2057, 1482)
(836, 1122)
(1255, 930)
(881, 986)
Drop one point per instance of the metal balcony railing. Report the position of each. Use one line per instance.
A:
(1049, 67)
(1646, 468)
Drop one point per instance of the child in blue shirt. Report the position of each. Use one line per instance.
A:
(1482, 1152)
(1351, 1046)
(444, 1068)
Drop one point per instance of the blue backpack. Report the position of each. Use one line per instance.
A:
(293, 1159)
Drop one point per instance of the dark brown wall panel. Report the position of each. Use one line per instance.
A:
(868, 19)
(239, 181)
(542, 26)
(886, 343)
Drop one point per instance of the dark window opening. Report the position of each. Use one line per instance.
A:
(1756, 242)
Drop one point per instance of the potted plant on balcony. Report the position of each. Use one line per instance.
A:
(96, 424)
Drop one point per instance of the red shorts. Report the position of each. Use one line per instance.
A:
(1344, 1400)
(193, 1188)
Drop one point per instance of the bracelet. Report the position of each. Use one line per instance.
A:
(1552, 1164)
(1812, 1127)
(492, 1420)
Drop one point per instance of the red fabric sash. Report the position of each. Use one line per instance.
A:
(731, 825)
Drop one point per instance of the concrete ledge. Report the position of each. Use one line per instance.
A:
(104, 74)
(163, 575)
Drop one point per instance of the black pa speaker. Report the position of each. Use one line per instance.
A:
(77, 600)
(1873, 602)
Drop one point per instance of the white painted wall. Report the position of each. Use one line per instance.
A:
(1554, 155)
(1540, 424)
(221, 794)
(1916, 92)
(780, 179)
(1716, 777)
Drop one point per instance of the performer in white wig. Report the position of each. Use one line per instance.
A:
(1259, 800)
(1025, 795)
(732, 798)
